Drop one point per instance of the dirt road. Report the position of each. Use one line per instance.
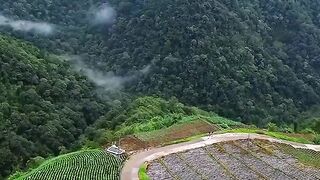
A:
(131, 167)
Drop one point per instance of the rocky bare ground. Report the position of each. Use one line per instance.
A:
(245, 156)
(157, 171)
(282, 162)
(243, 159)
(179, 168)
(207, 166)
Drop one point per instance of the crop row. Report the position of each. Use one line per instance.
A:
(94, 164)
(240, 160)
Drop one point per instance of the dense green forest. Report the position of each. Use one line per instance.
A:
(252, 61)
(44, 105)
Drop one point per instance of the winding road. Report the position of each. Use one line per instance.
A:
(132, 165)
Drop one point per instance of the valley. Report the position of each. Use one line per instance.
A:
(79, 77)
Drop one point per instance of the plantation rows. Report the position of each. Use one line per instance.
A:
(85, 165)
(232, 160)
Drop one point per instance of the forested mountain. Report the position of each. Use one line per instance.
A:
(44, 105)
(252, 60)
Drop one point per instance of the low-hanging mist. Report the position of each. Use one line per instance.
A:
(42, 28)
(104, 14)
(108, 80)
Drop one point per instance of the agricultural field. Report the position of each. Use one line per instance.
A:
(177, 131)
(243, 159)
(186, 128)
(81, 165)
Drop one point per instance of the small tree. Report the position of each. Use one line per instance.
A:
(35, 162)
(272, 127)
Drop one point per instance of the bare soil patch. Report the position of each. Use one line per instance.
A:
(131, 143)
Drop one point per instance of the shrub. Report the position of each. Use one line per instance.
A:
(143, 172)
(317, 139)
(272, 127)
(35, 162)
(286, 130)
(307, 131)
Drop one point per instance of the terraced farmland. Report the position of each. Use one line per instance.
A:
(177, 131)
(82, 165)
(243, 159)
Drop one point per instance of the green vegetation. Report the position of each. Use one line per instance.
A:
(151, 116)
(306, 156)
(143, 172)
(159, 123)
(84, 164)
(44, 106)
(287, 137)
(278, 135)
(317, 139)
(164, 132)
(311, 120)
(191, 138)
(252, 61)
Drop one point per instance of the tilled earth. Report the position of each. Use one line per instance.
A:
(244, 159)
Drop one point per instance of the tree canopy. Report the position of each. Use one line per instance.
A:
(255, 61)
(43, 104)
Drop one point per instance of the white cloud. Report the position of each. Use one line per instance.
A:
(27, 26)
(107, 80)
(104, 15)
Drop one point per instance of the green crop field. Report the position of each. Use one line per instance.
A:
(179, 131)
(81, 165)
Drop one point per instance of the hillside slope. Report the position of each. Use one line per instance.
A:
(147, 116)
(44, 105)
(249, 60)
(84, 164)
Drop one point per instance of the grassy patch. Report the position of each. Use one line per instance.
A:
(185, 139)
(221, 121)
(168, 120)
(277, 135)
(143, 172)
(177, 130)
(180, 129)
(180, 132)
(287, 137)
(305, 156)
(242, 130)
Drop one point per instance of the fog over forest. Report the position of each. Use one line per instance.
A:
(83, 74)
